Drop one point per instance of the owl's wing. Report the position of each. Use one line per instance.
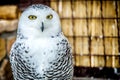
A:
(17, 50)
(62, 67)
(18, 64)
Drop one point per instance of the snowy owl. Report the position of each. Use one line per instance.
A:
(41, 51)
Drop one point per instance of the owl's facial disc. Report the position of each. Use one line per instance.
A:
(42, 27)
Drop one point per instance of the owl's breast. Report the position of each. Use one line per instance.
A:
(43, 51)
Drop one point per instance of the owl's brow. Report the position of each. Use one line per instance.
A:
(39, 6)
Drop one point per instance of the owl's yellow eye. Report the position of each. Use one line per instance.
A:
(50, 16)
(32, 17)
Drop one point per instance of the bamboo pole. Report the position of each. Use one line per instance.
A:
(108, 61)
(83, 61)
(64, 9)
(8, 25)
(97, 46)
(111, 43)
(2, 69)
(8, 12)
(53, 5)
(110, 27)
(97, 61)
(10, 40)
(93, 9)
(95, 27)
(108, 8)
(118, 10)
(67, 27)
(81, 46)
(79, 8)
(2, 48)
(80, 27)
(110, 30)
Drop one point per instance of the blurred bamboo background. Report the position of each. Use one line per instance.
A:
(92, 27)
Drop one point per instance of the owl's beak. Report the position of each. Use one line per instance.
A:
(42, 28)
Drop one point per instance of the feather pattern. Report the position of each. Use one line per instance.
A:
(59, 66)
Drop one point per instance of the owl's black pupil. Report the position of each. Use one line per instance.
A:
(50, 16)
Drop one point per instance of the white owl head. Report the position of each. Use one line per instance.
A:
(39, 21)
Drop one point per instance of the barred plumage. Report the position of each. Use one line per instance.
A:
(41, 54)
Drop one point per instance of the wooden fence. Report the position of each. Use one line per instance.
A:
(93, 28)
